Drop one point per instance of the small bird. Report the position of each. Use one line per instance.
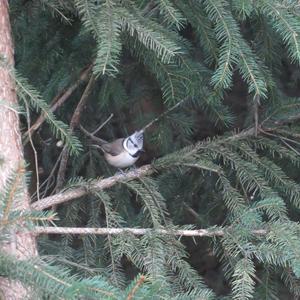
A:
(123, 152)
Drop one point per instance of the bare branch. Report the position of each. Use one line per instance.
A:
(76, 116)
(50, 179)
(73, 124)
(60, 99)
(96, 185)
(91, 135)
(137, 231)
(286, 121)
(290, 119)
(163, 114)
(256, 116)
(103, 124)
(36, 163)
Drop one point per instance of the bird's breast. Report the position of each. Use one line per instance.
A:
(122, 160)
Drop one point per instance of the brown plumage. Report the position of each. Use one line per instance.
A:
(113, 148)
(115, 155)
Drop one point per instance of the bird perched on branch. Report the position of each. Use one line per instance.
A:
(124, 152)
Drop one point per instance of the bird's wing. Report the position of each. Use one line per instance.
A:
(114, 148)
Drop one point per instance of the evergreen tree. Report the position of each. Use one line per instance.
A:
(14, 197)
(212, 211)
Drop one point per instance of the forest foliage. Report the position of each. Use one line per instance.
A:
(226, 159)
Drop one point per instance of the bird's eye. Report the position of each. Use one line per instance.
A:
(134, 144)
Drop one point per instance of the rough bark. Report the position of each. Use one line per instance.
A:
(20, 244)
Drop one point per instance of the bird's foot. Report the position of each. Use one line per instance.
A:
(120, 172)
(133, 169)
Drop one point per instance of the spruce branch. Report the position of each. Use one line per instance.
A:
(203, 27)
(11, 193)
(150, 34)
(285, 24)
(56, 282)
(234, 51)
(145, 170)
(102, 184)
(95, 185)
(29, 94)
(171, 16)
(243, 279)
(140, 281)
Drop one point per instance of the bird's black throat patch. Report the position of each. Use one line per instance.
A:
(137, 154)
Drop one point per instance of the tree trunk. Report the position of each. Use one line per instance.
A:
(20, 245)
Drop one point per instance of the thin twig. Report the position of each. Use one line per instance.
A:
(289, 140)
(83, 100)
(191, 211)
(283, 140)
(59, 12)
(92, 135)
(148, 8)
(163, 114)
(95, 139)
(73, 124)
(256, 117)
(285, 121)
(288, 132)
(103, 124)
(265, 131)
(34, 152)
(135, 288)
(47, 181)
(10, 108)
(61, 98)
(136, 231)
(289, 146)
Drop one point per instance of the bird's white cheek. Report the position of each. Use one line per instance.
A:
(122, 160)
